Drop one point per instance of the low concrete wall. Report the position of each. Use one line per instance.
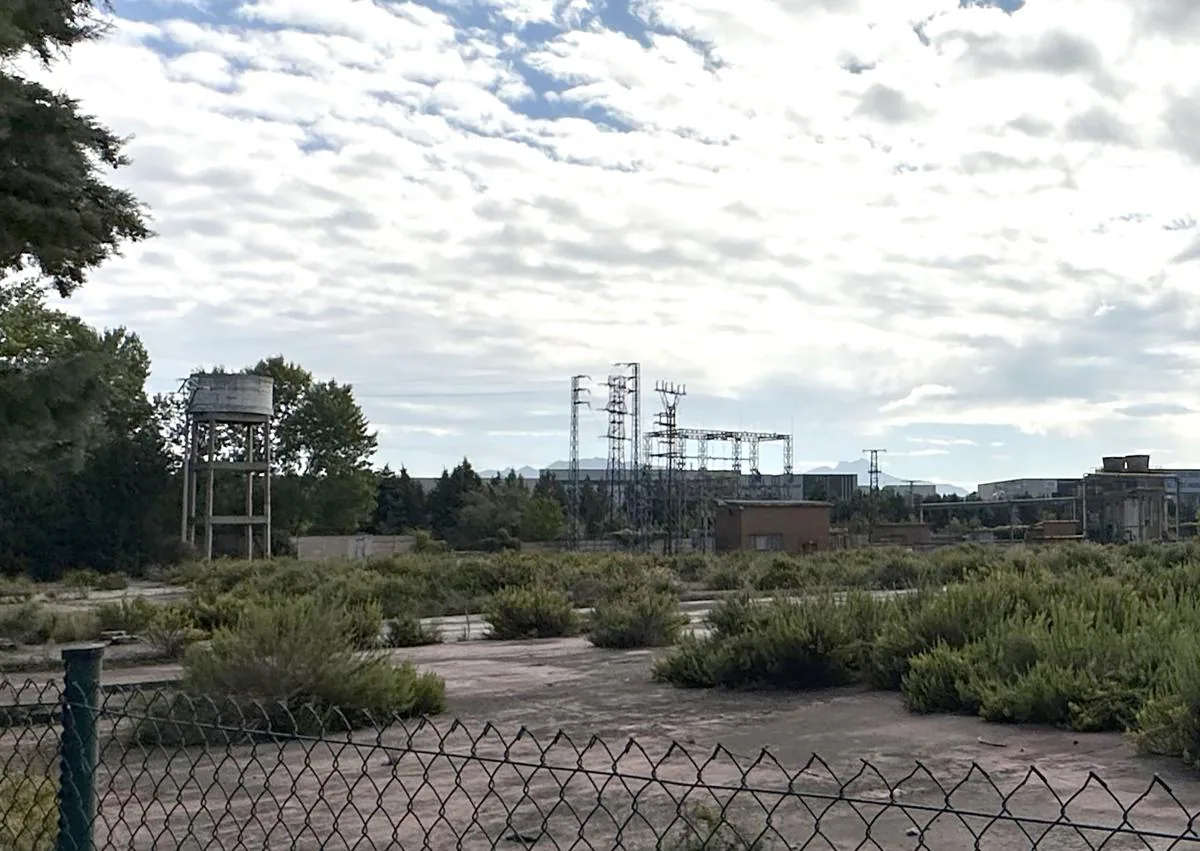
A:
(327, 547)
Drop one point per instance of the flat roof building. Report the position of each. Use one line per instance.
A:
(788, 526)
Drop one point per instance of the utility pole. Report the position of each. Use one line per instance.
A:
(872, 490)
(578, 392)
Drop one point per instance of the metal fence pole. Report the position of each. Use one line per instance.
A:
(79, 750)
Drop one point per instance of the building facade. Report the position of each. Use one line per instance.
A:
(1036, 488)
(791, 526)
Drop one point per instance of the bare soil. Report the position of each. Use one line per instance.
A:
(555, 744)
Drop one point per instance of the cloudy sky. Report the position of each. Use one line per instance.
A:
(966, 234)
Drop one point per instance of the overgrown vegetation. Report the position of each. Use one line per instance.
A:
(434, 584)
(28, 809)
(288, 666)
(535, 611)
(1085, 638)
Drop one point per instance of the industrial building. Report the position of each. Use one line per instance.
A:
(1125, 500)
(1035, 488)
(912, 491)
(788, 526)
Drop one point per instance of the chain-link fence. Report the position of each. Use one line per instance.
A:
(87, 767)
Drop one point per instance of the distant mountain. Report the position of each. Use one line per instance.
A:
(523, 472)
(862, 468)
(584, 464)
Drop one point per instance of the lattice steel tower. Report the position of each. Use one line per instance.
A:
(617, 409)
(872, 489)
(578, 400)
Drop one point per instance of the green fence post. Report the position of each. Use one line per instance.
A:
(80, 749)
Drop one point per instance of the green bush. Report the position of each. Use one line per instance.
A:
(34, 623)
(15, 591)
(637, 619)
(409, 631)
(28, 811)
(82, 581)
(172, 631)
(725, 576)
(288, 667)
(111, 582)
(133, 615)
(778, 644)
(531, 612)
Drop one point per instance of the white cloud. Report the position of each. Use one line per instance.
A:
(376, 177)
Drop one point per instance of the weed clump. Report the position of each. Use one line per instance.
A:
(519, 612)
(637, 618)
(409, 631)
(293, 666)
(1085, 638)
(28, 811)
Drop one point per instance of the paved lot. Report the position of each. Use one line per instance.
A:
(492, 768)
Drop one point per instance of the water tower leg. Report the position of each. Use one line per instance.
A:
(249, 493)
(185, 512)
(268, 453)
(209, 488)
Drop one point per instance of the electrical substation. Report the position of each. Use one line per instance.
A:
(661, 485)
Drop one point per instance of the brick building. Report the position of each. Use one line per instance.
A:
(789, 526)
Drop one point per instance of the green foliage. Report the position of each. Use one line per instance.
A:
(172, 630)
(133, 615)
(1086, 638)
(28, 810)
(519, 612)
(409, 631)
(290, 666)
(33, 623)
(637, 617)
(61, 219)
(713, 829)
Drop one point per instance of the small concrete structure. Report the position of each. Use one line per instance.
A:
(789, 526)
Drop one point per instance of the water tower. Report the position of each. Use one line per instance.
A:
(228, 431)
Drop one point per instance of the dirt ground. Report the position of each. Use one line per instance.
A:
(556, 744)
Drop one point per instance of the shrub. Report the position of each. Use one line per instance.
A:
(27, 623)
(691, 664)
(130, 614)
(288, 667)
(725, 576)
(779, 644)
(111, 582)
(534, 612)
(713, 829)
(409, 631)
(15, 591)
(691, 568)
(172, 631)
(638, 619)
(81, 581)
(72, 627)
(28, 811)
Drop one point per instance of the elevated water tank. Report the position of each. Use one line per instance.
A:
(231, 397)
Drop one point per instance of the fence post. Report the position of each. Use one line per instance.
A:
(80, 750)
